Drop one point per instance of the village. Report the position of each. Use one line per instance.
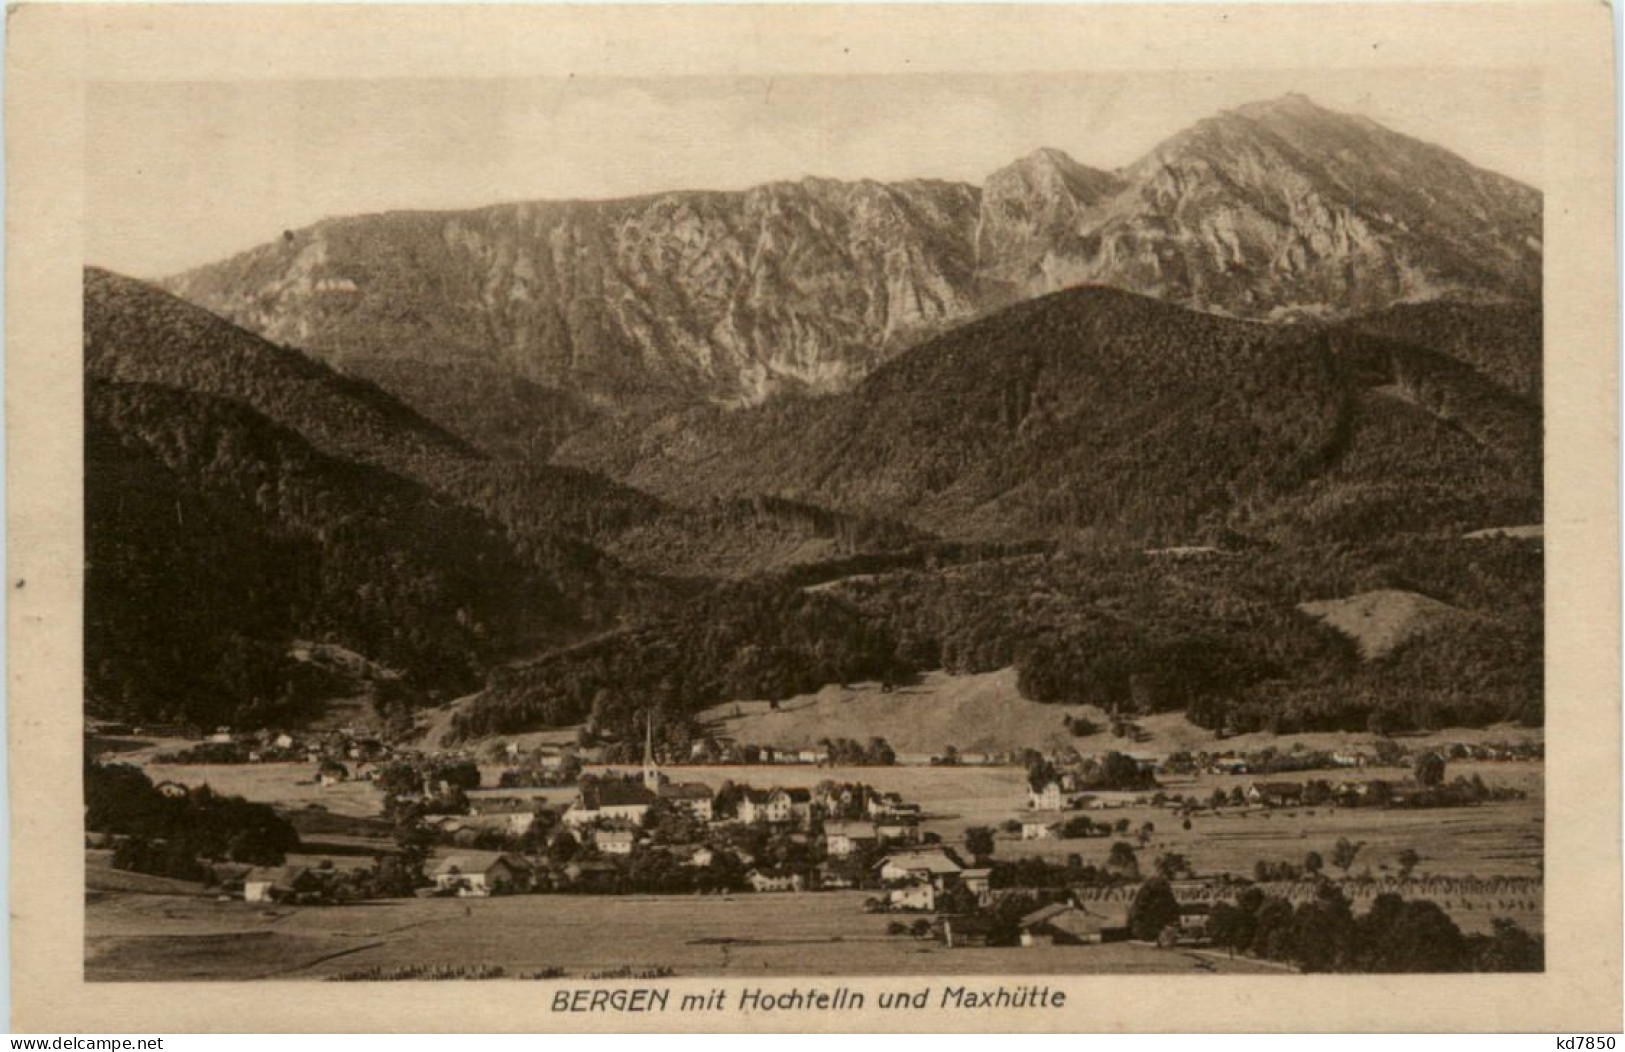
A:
(1062, 856)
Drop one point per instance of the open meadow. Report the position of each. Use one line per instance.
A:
(145, 937)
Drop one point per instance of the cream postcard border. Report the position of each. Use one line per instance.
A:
(55, 49)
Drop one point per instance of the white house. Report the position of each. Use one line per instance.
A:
(843, 838)
(1047, 798)
(920, 895)
(615, 841)
(775, 806)
(933, 866)
(614, 801)
(1041, 825)
(471, 877)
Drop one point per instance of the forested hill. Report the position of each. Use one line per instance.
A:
(1101, 412)
(135, 332)
(214, 538)
(241, 496)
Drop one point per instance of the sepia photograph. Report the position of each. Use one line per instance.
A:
(595, 528)
(1105, 535)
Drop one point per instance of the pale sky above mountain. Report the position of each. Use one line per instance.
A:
(178, 175)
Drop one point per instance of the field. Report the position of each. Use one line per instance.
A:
(981, 713)
(135, 937)
(288, 785)
(985, 713)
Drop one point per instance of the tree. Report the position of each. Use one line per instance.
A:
(1408, 861)
(1153, 909)
(1171, 864)
(1321, 931)
(1344, 853)
(1122, 860)
(1399, 936)
(979, 842)
(1429, 770)
(1313, 863)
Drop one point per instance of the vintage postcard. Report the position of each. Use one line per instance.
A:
(813, 517)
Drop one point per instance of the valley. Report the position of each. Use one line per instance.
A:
(671, 558)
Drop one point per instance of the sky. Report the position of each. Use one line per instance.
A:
(178, 174)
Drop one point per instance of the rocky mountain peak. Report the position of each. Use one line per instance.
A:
(1273, 210)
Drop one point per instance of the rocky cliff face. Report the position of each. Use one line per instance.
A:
(1275, 210)
(1283, 208)
(722, 296)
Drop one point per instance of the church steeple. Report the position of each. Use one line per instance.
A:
(651, 770)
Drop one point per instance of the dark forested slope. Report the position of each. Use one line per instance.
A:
(1094, 410)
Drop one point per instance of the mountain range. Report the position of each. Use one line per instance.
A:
(586, 457)
(516, 325)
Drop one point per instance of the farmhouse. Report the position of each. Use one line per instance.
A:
(1274, 794)
(616, 841)
(1041, 825)
(775, 806)
(901, 828)
(932, 866)
(469, 877)
(843, 838)
(775, 880)
(918, 895)
(1047, 797)
(1062, 924)
(279, 884)
(609, 800)
(173, 790)
(889, 804)
(505, 800)
(831, 877)
(694, 797)
(977, 882)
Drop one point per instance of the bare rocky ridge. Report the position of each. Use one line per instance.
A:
(1274, 211)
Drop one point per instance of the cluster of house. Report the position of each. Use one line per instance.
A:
(1350, 793)
(330, 751)
(1083, 919)
(1052, 805)
(1260, 764)
(733, 751)
(915, 880)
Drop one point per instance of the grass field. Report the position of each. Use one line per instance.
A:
(288, 785)
(985, 712)
(137, 937)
